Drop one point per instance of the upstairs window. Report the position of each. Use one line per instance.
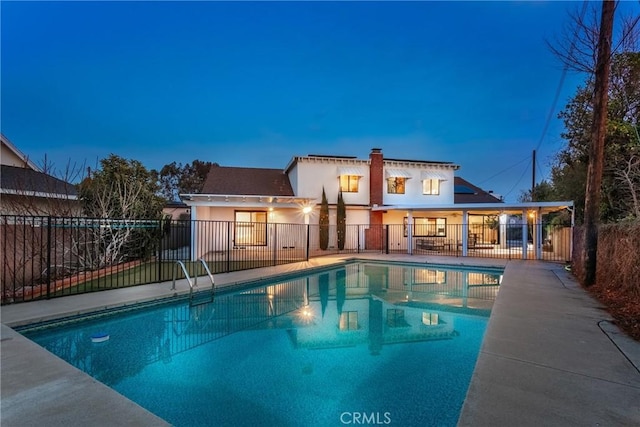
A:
(348, 321)
(396, 185)
(349, 183)
(431, 187)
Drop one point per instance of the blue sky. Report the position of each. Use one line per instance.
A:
(254, 84)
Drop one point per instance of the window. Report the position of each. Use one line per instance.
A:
(348, 321)
(425, 276)
(431, 187)
(484, 279)
(427, 227)
(250, 228)
(395, 318)
(395, 185)
(349, 183)
(430, 319)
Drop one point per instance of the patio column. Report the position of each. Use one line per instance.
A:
(538, 233)
(410, 232)
(465, 232)
(525, 233)
(465, 288)
(502, 218)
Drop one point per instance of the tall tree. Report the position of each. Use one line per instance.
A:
(120, 188)
(620, 183)
(121, 193)
(175, 178)
(323, 222)
(341, 215)
(596, 148)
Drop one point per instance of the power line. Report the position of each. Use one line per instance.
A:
(561, 83)
(519, 179)
(504, 170)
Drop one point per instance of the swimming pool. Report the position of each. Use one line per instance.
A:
(364, 343)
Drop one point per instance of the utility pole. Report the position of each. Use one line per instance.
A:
(533, 178)
(596, 148)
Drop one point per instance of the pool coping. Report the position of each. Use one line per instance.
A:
(545, 336)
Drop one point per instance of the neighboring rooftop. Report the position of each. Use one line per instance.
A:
(466, 192)
(29, 182)
(12, 156)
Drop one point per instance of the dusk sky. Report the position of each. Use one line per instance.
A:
(254, 84)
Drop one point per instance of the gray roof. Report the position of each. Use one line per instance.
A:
(225, 180)
(466, 192)
(27, 181)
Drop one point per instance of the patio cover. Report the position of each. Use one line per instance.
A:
(488, 208)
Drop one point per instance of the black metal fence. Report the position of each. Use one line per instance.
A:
(47, 257)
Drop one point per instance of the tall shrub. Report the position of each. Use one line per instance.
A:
(323, 222)
(342, 221)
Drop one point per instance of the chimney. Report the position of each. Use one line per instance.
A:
(376, 179)
(374, 235)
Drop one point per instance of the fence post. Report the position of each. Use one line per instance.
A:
(160, 239)
(228, 246)
(358, 233)
(308, 239)
(48, 257)
(275, 244)
(386, 243)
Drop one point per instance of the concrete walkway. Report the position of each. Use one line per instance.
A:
(550, 356)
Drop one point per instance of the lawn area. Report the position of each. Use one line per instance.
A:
(154, 272)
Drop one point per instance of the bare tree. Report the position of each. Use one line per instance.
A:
(577, 44)
(628, 179)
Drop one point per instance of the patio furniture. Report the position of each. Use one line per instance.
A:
(430, 244)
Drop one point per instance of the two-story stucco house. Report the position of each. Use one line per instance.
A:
(424, 198)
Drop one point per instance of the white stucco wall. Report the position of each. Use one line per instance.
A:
(413, 186)
(310, 175)
(8, 157)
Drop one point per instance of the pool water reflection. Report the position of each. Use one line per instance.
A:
(398, 341)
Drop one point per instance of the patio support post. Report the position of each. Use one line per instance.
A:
(410, 232)
(465, 289)
(465, 232)
(525, 233)
(308, 240)
(502, 218)
(538, 234)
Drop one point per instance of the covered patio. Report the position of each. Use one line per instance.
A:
(500, 230)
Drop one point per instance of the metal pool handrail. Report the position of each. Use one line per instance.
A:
(193, 283)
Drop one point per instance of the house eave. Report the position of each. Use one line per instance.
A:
(478, 207)
(29, 193)
(235, 200)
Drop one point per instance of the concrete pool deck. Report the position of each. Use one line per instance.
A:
(550, 356)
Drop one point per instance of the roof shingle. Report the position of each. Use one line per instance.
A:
(224, 180)
(16, 179)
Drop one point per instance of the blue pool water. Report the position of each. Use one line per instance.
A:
(365, 343)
